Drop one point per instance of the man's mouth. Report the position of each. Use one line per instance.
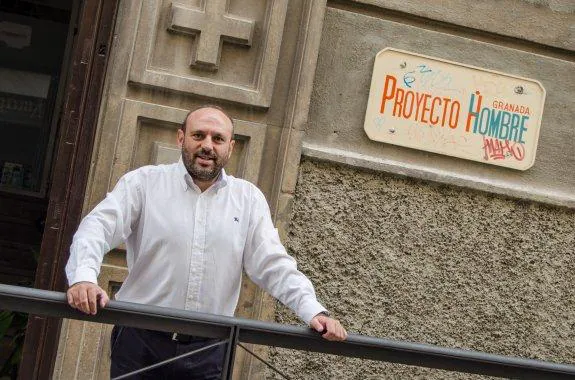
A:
(204, 158)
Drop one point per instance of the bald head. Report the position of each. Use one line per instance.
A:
(194, 112)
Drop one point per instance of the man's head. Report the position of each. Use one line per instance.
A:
(206, 138)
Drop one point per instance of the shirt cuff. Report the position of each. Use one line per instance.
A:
(310, 309)
(83, 274)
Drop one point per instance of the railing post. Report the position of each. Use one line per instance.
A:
(228, 368)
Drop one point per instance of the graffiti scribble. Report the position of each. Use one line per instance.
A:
(495, 149)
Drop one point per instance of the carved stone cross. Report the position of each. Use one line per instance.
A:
(213, 26)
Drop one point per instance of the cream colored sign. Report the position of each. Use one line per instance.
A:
(458, 110)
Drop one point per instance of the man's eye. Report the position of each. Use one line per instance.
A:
(218, 139)
(197, 136)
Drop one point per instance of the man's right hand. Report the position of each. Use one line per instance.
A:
(85, 296)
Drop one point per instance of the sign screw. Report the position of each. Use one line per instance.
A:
(391, 130)
(519, 90)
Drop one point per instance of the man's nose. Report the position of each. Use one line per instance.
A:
(207, 143)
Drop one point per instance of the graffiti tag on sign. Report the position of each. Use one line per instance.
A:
(454, 109)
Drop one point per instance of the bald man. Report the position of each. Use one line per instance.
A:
(189, 229)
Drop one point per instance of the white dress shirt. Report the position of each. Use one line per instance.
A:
(186, 248)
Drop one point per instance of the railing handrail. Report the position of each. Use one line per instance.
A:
(54, 304)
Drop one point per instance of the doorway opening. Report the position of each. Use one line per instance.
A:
(35, 42)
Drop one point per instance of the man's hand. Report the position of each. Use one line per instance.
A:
(84, 296)
(333, 329)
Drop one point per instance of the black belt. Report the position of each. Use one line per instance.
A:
(181, 338)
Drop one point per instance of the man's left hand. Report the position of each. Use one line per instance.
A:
(333, 329)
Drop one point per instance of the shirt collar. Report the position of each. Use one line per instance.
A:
(187, 181)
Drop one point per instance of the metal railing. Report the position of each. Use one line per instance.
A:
(238, 330)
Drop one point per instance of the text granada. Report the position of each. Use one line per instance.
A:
(510, 107)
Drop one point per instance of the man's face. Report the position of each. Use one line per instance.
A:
(207, 144)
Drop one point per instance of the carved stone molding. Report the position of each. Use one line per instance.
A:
(211, 26)
(167, 56)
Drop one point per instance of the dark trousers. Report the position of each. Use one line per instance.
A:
(134, 349)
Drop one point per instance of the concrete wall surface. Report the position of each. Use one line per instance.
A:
(350, 42)
(411, 260)
(513, 18)
(411, 245)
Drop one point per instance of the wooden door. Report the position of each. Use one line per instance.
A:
(92, 36)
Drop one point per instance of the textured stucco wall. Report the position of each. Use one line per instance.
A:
(411, 260)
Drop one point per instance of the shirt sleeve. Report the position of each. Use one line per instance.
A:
(268, 265)
(107, 226)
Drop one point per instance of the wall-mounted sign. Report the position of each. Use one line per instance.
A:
(458, 110)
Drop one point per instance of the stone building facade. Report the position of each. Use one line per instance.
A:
(400, 243)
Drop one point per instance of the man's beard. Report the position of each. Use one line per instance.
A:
(199, 173)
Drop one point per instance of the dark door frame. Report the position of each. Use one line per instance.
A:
(89, 57)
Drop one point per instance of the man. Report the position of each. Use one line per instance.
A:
(189, 229)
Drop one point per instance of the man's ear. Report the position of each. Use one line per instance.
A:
(232, 143)
(180, 137)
